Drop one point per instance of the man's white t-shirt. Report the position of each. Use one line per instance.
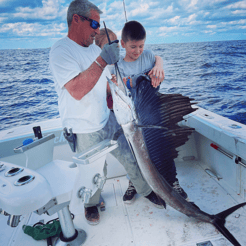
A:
(67, 60)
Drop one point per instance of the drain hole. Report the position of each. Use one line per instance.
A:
(13, 171)
(24, 180)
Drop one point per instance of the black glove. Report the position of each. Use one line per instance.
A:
(111, 52)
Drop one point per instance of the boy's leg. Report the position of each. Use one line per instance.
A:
(125, 157)
(137, 181)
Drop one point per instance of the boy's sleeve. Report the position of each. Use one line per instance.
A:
(151, 57)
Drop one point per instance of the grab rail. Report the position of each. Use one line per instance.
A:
(238, 159)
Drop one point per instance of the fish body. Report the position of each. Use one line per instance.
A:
(149, 121)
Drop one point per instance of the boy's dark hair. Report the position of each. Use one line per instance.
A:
(133, 30)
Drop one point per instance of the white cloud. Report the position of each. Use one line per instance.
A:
(169, 10)
(174, 19)
(116, 5)
(239, 22)
(161, 13)
(209, 32)
(49, 10)
(33, 29)
(192, 17)
(241, 5)
(18, 28)
(103, 7)
(211, 26)
(192, 3)
(191, 20)
(143, 8)
(181, 17)
(168, 29)
(239, 12)
(2, 19)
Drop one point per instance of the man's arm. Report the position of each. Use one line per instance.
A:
(80, 85)
(157, 74)
(83, 83)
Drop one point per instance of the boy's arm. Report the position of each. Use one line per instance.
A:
(157, 73)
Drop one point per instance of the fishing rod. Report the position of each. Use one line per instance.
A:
(125, 9)
(109, 41)
(106, 31)
(115, 65)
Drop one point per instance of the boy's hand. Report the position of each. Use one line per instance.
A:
(129, 82)
(114, 79)
(157, 75)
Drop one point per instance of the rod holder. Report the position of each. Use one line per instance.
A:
(85, 194)
(99, 181)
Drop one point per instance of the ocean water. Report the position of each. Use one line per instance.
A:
(213, 73)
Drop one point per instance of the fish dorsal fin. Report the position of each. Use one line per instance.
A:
(158, 115)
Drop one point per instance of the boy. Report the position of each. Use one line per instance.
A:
(136, 62)
(132, 168)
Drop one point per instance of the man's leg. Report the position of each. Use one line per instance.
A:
(85, 141)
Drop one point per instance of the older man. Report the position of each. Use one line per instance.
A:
(78, 67)
(79, 70)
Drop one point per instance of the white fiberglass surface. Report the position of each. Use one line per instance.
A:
(142, 224)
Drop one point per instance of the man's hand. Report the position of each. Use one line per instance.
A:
(111, 52)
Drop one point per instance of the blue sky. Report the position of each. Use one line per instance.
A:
(40, 23)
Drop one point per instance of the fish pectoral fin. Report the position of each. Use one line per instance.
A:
(219, 223)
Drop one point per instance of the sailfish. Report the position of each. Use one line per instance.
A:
(149, 121)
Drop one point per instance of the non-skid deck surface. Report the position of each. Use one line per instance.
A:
(141, 224)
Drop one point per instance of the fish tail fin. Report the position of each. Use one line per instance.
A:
(219, 223)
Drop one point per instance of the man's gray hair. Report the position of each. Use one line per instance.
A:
(80, 7)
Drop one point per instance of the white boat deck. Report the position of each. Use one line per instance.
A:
(142, 224)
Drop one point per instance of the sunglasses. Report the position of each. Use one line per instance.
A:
(94, 24)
